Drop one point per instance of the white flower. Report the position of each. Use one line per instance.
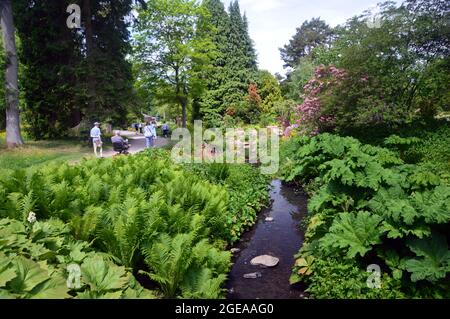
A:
(31, 217)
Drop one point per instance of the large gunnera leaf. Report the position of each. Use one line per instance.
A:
(435, 261)
(354, 232)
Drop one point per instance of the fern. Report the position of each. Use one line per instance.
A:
(18, 205)
(200, 284)
(169, 260)
(204, 255)
(84, 227)
(120, 232)
(117, 205)
(26, 204)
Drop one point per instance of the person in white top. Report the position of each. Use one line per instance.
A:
(96, 136)
(150, 134)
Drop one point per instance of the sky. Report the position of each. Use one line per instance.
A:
(272, 23)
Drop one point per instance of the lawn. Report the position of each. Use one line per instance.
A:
(35, 153)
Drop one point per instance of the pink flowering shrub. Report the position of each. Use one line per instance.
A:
(310, 116)
(289, 130)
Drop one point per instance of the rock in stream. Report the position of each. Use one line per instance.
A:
(265, 261)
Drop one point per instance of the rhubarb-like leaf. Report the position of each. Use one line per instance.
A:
(355, 233)
(434, 263)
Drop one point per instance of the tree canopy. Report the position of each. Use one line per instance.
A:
(309, 35)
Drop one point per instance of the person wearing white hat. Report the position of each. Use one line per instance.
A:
(97, 139)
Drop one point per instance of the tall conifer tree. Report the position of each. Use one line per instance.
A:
(73, 74)
(235, 66)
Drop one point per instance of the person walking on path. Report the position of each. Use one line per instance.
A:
(165, 129)
(96, 136)
(150, 134)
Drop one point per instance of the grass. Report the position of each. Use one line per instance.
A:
(35, 153)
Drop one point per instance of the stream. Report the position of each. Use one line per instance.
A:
(281, 238)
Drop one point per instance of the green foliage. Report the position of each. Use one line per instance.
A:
(233, 67)
(270, 92)
(171, 52)
(35, 261)
(296, 80)
(433, 150)
(102, 278)
(29, 280)
(179, 264)
(143, 213)
(65, 69)
(412, 210)
(434, 263)
(247, 193)
(334, 279)
(366, 202)
(356, 234)
(307, 158)
(200, 284)
(383, 67)
(394, 74)
(398, 141)
(311, 34)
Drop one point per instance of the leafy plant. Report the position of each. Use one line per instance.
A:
(366, 202)
(35, 260)
(179, 265)
(25, 278)
(434, 258)
(355, 233)
(128, 209)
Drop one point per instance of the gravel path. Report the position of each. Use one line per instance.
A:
(137, 143)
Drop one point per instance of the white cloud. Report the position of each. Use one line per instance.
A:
(273, 22)
(261, 5)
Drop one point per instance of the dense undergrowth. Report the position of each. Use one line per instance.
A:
(117, 218)
(425, 144)
(369, 206)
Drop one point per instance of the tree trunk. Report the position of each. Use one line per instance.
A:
(181, 99)
(184, 113)
(89, 34)
(13, 135)
(196, 110)
(88, 26)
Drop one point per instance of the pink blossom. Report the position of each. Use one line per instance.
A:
(309, 113)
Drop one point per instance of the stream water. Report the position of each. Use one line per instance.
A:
(281, 238)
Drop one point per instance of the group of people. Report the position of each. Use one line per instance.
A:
(121, 145)
(138, 127)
